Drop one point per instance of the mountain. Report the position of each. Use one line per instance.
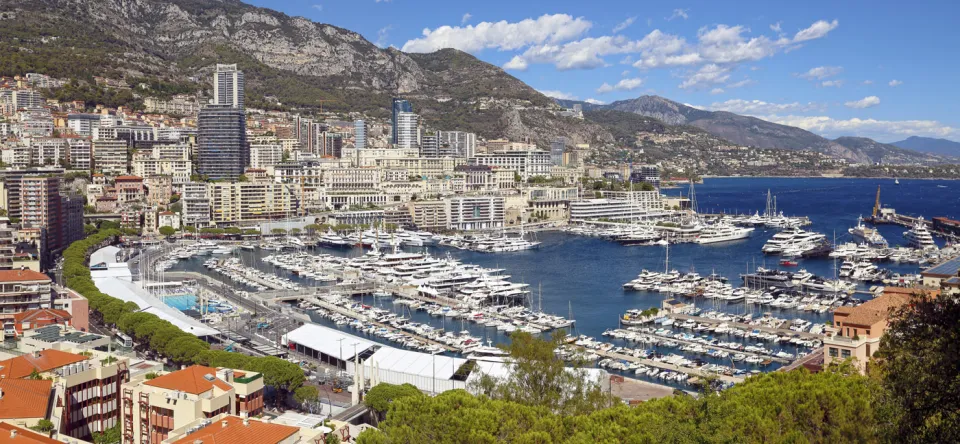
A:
(751, 131)
(930, 145)
(165, 46)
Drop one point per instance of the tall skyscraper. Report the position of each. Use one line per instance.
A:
(399, 106)
(228, 86)
(407, 130)
(222, 148)
(430, 146)
(360, 134)
(557, 148)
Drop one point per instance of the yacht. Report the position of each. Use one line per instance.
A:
(722, 233)
(791, 240)
(861, 271)
(333, 240)
(919, 236)
(870, 235)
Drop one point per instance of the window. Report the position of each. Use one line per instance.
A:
(833, 352)
(845, 354)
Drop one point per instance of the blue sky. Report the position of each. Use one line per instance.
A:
(873, 69)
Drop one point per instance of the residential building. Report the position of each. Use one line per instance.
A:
(11, 180)
(430, 146)
(60, 218)
(646, 174)
(21, 291)
(184, 105)
(83, 124)
(178, 170)
(407, 130)
(228, 86)
(24, 435)
(110, 157)
(168, 219)
(614, 209)
(232, 203)
(942, 275)
(352, 179)
(265, 155)
(459, 144)
(129, 189)
(399, 106)
(235, 430)
(26, 98)
(557, 148)
(429, 215)
(360, 134)
(856, 331)
(196, 204)
(526, 163)
(467, 213)
(222, 149)
(24, 402)
(80, 156)
(154, 408)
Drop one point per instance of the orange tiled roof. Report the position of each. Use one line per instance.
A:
(24, 398)
(50, 359)
(23, 436)
(32, 314)
(236, 432)
(128, 178)
(22, 276)
(876, 310)
(190, 380)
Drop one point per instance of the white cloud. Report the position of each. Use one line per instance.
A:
(761, 108)
(877, 129)
(741, 84)
(821, 72)
(466, 18)
(318, 7)
(815, 31)
(868, 82)
(716, 91)
(776, 28)
(865, 102)
(623, 85)
(895, 83)
(502, 35)
(624, 24)
(679, 13)
(557, 94)
(706, 75)
(593, 101)
(382, 36)
(831, 83)
(625, 73)
(517, 63)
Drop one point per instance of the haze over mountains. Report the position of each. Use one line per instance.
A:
(296, 63)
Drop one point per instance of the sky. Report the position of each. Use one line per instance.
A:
(849, 68)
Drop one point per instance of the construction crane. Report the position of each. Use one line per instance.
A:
(876, 206)
(321, 104)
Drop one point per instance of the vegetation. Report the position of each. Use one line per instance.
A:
(307, 393)
(159, 337)
(110, 436)
(43, 426)
(151, 375)
(167, 230)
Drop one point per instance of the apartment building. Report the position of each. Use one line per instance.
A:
(265, 155)
(236, 430)
(184, 105)
(196, 204)
(24, 402)
(154, 408)
(429, 215)
(21, 291)
(525, 163)
(475, 212)
(110, 157)
(86, 386)
(80, 156)
(232, 203)
(179, 170)
(129, 188)
(856, 331)
(60, 218)
(352, 179)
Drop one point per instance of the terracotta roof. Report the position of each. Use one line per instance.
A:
(49, 359)
(23, 436)
(131, 178)
(33, 314)
(22, 276)
(190, 380)
(24, 398)
(876, 310)
(236, 432)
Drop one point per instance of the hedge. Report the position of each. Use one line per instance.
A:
(160, 335)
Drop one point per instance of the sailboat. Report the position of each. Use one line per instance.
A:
(896, 181)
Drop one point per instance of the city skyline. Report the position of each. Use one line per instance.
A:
(824, 69)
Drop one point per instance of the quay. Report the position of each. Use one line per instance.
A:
(710, 347)
(748, 327)
(665, 366)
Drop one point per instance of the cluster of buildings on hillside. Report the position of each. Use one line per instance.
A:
(221, 165)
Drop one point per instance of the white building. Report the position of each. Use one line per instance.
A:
(615, 209)
(196, 204)
(467, 213)
(110, 157)
(408, 130)
(265, 155)
(228, 86)
(526, 163)
(458, 143)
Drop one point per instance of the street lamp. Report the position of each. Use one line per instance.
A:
(340, 358)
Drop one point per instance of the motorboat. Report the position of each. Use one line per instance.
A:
(870, 235)
(919, 236)
(722, 232)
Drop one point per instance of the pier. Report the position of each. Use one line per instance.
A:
(748, 327)
(665, 366)
(707, 346)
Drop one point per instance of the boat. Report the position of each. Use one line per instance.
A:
(788, 263)
(896, 181)
(722, 232)
(870, 235)
(795, 242)
(919, 236)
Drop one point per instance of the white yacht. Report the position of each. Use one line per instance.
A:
(723, 233)
(792, 240)
(919, 236)
(333, 240)
(861, 271)
(871, 235)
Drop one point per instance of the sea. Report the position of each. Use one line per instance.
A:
(583, 277)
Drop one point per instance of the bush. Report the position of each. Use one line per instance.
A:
(167, 230)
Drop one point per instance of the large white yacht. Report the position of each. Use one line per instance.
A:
(723, 233)
(919, 236)
(791, 239)
(871, 235)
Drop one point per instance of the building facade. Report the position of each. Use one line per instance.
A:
(222, 149)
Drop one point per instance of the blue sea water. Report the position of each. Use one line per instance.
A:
(583, 276)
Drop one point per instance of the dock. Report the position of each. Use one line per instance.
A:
(665, 366)
(748, 327)
(714, 347)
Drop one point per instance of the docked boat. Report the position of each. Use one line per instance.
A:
(333, 240)
(870, 235)
(919, 236)
(722, 232)
(795, 242)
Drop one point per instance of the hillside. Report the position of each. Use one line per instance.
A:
(751, 131)
(930, 145)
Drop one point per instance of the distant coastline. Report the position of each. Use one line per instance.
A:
(828, 177)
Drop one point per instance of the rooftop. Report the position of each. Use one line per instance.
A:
(948, 268)
(195, 380)
(233, 430)
(24, 398)
(10, 433)
(41, 361)
(22, 276)
(874, 310)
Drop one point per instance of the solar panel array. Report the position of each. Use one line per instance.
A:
(52, 334)
(949, 268)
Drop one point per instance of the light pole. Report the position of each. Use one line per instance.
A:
(340, 358)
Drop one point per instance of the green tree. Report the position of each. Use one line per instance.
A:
(110, 436)
(233, 230)
(312, 228)
(190, 228)
(919, 369)
(381, 396)
(167, 230)
(278, 231)
(294, 231)
(307, 393)
(43, 426)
